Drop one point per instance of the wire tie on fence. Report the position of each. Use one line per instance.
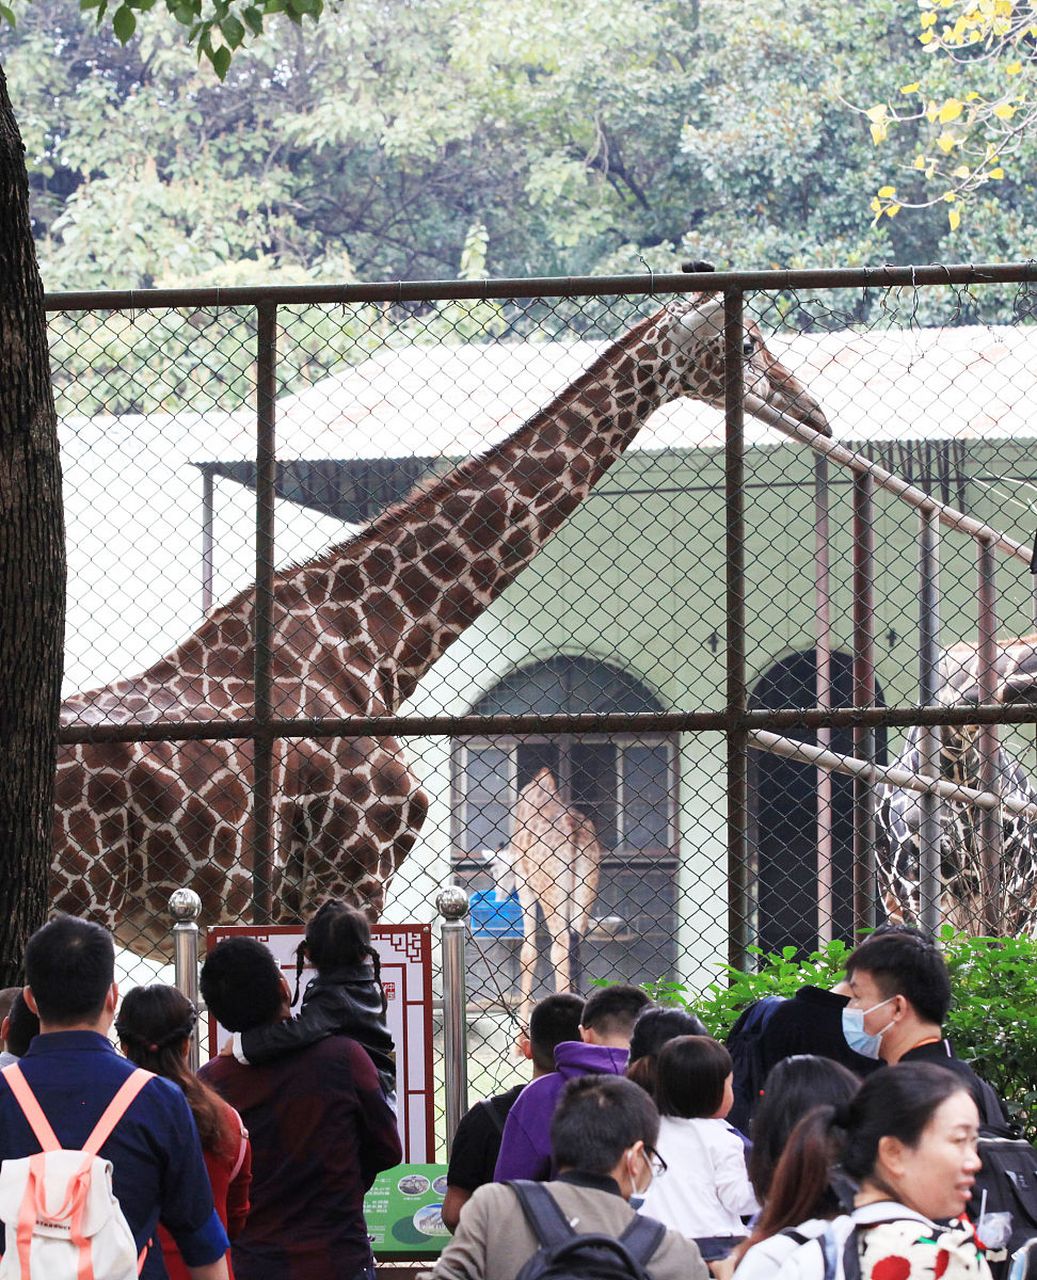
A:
(651, 274)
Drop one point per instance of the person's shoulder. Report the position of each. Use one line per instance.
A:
(536, 1090)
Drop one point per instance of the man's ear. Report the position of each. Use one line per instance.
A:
(286, 990)
(588, 1035)
(30, 1000)
(5, 1029)
(111, 1000)
(524, 1046)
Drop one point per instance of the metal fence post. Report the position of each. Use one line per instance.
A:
(864, 693)
(452, 905)
(185, 907)
(930, 882)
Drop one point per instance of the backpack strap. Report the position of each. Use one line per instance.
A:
(31, 1109)
(642, 1238)
(116, 1109)
(549, 1223)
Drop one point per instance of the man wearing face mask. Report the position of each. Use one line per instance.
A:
(900, 992)
(603, 1135)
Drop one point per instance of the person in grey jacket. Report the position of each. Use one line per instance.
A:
(603, 1135)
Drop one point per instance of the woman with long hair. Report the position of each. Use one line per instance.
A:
(154, 1027)
(907, 1140)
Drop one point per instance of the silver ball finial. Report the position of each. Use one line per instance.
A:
(452, 902)
(185, 904)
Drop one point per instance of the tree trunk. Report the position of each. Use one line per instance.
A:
(32, 566)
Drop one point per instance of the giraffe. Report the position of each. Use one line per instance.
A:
(961, 865)
(354, 631)
(554, 855)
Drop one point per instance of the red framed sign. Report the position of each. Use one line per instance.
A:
(405, 952)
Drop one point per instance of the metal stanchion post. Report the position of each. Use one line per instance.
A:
(452, 905)
(185, 906)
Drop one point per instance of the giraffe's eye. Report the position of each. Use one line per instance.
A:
(748, 345)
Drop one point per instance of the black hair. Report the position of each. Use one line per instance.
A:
(654, 1028)
(554, 1020)
(691, 1073)
(70, 965)
(7, 999)
(904, 963)
(897, 1102)
(153, 1026)
(597, 1118)
(338, 936)
(241, 984)
(22, 1026)
(612, 1011)
(793, 1087)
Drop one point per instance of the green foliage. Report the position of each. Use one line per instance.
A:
(992, 1022)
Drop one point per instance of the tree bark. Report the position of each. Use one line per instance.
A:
(32, 566)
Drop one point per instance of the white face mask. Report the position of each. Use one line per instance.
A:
(859, 1040)
(638, 1193)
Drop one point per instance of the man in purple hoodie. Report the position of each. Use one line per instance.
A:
(603, 1048)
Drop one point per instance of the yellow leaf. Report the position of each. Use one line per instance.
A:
(954, 218)
(962, 171)
(876, 205)
(893, 210)
(996, 174)
(925, 38)
(875, 114)
(945, 141)
(1004, 111)
(971, 96)
(910, 88)
(950, 197)
(919, 162)
(886, 192)
(1013, 69)
(950, 110)
(879, 133)
(930, 112)
(928, 20)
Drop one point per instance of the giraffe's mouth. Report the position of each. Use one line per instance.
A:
(1020, 687)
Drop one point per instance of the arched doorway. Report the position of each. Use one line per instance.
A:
(783, 811)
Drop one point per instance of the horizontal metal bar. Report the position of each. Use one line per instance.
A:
(909, 493)
(889, 775)
(606, 723)
(541, 287)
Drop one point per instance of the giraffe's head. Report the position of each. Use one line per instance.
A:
(695, 329)
(1016, 679)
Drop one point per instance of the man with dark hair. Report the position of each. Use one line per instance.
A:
(476, 1144)
(320, 1127)
(603, 1134)
(603, 1048)
(18, 1030)
(900, 994)
(74, 1073)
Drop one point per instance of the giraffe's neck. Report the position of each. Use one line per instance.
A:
(426, 569)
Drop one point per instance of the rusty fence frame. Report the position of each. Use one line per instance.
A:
(743, 727)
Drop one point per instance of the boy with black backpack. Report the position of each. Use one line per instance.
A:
(580, 1224)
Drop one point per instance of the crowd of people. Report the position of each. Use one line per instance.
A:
(856, 1160)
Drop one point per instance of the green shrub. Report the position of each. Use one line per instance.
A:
(992, 1023)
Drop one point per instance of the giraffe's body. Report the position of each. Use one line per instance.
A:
(963, 898)
(554, 855)
(354, 632)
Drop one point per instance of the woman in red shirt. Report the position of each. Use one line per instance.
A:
(154, 1027)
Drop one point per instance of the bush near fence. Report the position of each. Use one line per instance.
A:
(992, 1022)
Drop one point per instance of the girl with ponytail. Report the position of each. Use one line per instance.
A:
(345, 998)
(154, 1027)
(907, 1142)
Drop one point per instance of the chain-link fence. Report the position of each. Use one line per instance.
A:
(662, 672)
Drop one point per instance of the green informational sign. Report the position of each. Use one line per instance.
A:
(402, 1211)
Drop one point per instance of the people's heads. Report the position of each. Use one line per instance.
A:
(693, 1078)
(337, 935)
(909, 1133)
(70, 973)
(554, 1020)
(7, 995)
(610, 1013)
(654, 1028)
(792, 1088)
(19, 1027)
(899, 982)
(606, 1125)
(242, 985)
(154, 1027)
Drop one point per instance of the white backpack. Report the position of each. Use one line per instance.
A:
(62, 1220)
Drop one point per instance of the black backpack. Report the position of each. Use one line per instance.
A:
(743, 1044)
(1009, 1178)
(565, 1254)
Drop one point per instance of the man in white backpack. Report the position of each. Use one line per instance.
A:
(94, 1152)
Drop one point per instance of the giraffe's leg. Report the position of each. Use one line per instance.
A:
(528, 952)
(556, 919)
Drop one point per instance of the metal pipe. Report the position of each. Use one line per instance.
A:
(886, 775)
(207, 538)
(864, 831)
(185, 906)
(452, 905)
(263, 610)
(990, 826)
(823, 693)
(735, 685)
(542, 287)
(930, 887)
